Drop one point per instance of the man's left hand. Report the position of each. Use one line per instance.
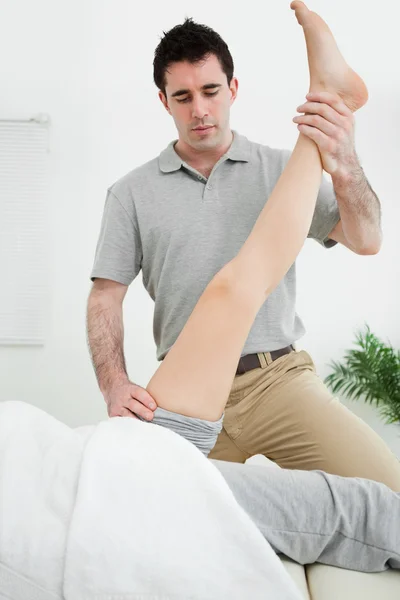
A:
(330, 124)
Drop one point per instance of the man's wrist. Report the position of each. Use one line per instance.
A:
(112, 381)
(348, 176)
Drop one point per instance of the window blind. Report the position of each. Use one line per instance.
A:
(24, 231)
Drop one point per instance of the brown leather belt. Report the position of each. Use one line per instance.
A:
(252, 361)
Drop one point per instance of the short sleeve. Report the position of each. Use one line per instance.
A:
(119, 251)
(326, 215)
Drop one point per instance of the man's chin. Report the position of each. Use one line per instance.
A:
(206, 139)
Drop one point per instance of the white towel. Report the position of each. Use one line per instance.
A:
(39, 470)
(123, 510)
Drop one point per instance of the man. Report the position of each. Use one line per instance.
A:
(183, 215)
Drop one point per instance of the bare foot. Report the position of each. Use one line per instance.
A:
(328, 69)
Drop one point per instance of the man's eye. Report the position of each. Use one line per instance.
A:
(207, 94)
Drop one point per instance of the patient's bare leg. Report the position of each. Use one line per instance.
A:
(196, 376)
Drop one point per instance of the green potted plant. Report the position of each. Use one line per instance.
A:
(371, 371)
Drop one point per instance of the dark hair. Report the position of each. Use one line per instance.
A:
(190, 42)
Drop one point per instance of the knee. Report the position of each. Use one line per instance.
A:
(224, 280)
(235, 285)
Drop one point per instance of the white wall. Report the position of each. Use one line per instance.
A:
(89, 65)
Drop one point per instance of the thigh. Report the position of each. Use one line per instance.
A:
(315, 516)
(226, 449)
(196, 375)
(299, 424)
(340, 442)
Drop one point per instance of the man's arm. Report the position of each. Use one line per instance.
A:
(106, 332)
(359, 228)
(106, 342)
(330, 124)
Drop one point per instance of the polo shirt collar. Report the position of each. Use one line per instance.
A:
(239, 150)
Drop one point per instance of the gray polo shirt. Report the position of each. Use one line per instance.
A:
(178, 227)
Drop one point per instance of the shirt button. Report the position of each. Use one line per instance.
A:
(199, 177)
(209, 187)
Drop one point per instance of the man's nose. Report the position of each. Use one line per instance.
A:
(199, 108)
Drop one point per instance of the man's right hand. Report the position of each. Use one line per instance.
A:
(126, 399)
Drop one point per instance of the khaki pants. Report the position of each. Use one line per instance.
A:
(284, 411)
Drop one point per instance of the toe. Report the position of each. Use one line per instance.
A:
(300, 9)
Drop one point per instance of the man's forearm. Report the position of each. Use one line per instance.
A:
(106, 338)
(360, 210)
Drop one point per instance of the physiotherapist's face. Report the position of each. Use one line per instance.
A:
(199, 96)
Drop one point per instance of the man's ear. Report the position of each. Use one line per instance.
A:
(234, 85)
(164, 101)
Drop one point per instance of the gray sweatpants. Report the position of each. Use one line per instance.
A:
(313, 516)
(309, 516)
